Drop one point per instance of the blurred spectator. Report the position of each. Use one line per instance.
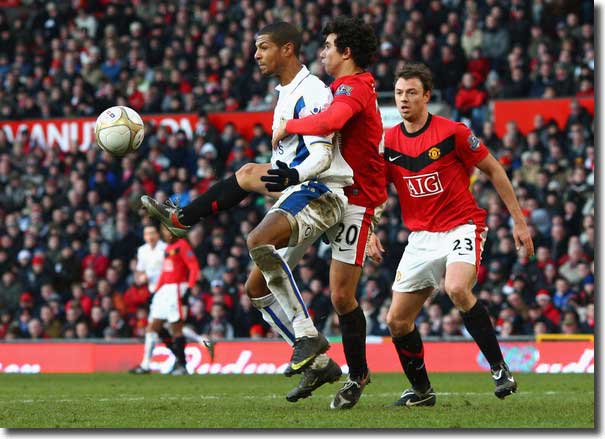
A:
(470, 102)
(71, 223)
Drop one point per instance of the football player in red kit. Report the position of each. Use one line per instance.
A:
(430, 159)
(349, 47)
(180, 270)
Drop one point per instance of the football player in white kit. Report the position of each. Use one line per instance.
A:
(311, 173)
(308, 175)
(150, 257)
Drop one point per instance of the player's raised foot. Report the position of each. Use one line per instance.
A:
(350, 392)
(505, 383)
(313, 379)
(305, 351)
(168, 213)
(139, 370)
(412, 398)
(179, 370)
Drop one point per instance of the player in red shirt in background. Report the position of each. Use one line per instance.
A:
(349, 47)
(430, 160)
(180, 270)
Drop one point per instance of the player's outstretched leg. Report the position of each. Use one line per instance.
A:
(221, 196)
(203, 340)
(350, 392)
(168, 213)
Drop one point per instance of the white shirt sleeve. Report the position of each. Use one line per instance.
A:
(320, 148)
(140, 265)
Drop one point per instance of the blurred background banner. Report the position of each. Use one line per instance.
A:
(523, 112)
(59, 132)
(271, 357)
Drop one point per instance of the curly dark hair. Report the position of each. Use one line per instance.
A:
(357, 36)
(417, 70)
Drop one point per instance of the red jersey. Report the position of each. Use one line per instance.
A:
(361, 137)
(354, 112)
(431, 170)
(180, 265)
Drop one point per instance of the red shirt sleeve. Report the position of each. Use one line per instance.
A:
(190, 261)
(354, 93)
(350, 98)
(321, 124)
(468, 146)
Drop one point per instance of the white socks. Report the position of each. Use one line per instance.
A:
(151, 338)
(276, 316)
(281, 283)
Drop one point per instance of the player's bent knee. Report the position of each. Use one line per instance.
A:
(461, 296)
(343, 303)
(254, 289)
(399, 326)
(257, 238)
(245, 174)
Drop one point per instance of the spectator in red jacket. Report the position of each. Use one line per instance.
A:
(548, 309)
(470, 102)
(137, 295)
(96, 260)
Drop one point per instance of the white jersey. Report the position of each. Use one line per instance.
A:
(305, 95)
(150, 260)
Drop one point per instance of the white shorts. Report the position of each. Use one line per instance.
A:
(349, 238)
(311, 208)
(427, 255)
(167, 303)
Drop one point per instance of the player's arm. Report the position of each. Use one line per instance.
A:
(321, 124)
(191, 262)
(348, 101)
(472, 152)
(320, 149)
(318, 160)
(495, 172)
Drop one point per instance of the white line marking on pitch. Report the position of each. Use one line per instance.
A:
(271, 396)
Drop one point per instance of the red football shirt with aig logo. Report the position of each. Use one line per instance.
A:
(431, 170)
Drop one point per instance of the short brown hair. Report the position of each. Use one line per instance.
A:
(417, 70)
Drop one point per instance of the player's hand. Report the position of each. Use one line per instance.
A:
(280, 178)
(279, 134)
(521, 235)
(375, 249)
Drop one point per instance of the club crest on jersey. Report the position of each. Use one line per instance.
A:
(398, 276)
(473, 142)
(171, 252)
(424, 185)
(343, 90)
(434, 153)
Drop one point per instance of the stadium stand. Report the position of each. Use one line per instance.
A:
(71, 221)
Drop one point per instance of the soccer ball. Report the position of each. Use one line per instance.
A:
(119, 130)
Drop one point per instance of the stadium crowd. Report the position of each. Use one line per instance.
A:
(71, 222)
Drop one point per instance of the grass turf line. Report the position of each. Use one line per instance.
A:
(464, 400)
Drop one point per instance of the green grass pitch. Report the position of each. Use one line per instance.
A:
(464, 400)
